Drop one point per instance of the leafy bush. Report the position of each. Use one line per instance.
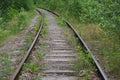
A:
(105, 13)
(8, 8)
(10, 13)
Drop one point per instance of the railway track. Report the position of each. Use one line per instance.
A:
(16, 74)
(61, 56)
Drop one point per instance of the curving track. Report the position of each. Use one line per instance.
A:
(84, 46)
(16, 74)
(60, 46)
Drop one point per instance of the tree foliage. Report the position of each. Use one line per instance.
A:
(104, 12)
(8, 8)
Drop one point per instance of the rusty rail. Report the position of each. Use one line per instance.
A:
(16, 74)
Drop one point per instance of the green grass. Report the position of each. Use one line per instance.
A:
(39, 77)
(40, 55)
(33, 63)
(69, 35)
(5, 64)
(30, 36)
(60, 21)
(37, 25)
(45, 20)
(84, 64)
(27, 42)
(44, 32)
(32, 67)
(5, 69)
(103, 44)
(15, 25)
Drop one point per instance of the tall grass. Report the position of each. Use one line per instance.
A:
(5, 64)
(84, 64)
(15, 25)
(104, 45)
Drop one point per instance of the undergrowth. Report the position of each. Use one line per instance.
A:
(5, 64)
(37, 25)
(104, 45)
(15, 25)
(60, 21)
(84, 64)
(33, 64)
(44, 30)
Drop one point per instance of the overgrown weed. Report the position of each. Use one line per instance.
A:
(84, 64)
(15, 25)
(102, 43)
(60, 21)
(45, 20)
(37, 25)
(5, 64)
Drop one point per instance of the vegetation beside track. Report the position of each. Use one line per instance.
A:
(10, 58)
(96, 21)
(84, 66)
(5, 64)
(14, 17)
(15, 25)
(34, 64)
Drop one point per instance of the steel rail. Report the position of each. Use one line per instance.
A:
(82, 42)
(16, 74)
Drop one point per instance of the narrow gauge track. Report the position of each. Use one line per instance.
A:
(81, 42)
(16, 74)
(84, 46)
